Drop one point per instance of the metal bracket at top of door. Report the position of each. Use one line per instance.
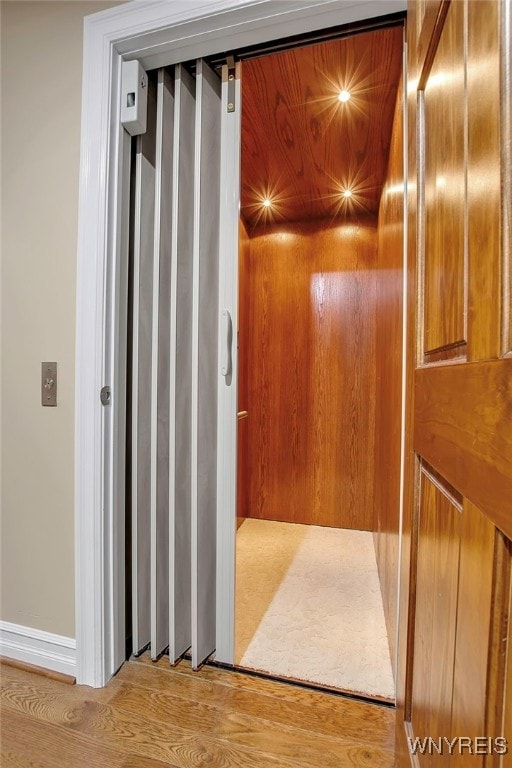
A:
(230, 61)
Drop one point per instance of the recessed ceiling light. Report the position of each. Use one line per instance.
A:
(343, 96)
(267, 203)
(347, 193)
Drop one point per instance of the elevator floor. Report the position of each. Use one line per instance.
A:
(309, 607)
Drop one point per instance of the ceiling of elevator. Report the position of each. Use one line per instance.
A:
(316, 128)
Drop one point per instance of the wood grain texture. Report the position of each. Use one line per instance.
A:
(284, 704)
(505, 26)
(426, 21)
(303, 146)
(484, 181)
(273, 688)
(405, 638)
(311, 374)
(257, 732)
(463, 428)
(436, 593)
(136, 761)
(507, 697)
(458, 415)
(157, 716)
(28, 742)
(445, 210)
(496, 693)
(472, 639)
(388, 403)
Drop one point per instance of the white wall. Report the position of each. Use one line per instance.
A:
(41, 74)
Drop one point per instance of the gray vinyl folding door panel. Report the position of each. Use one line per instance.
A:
(181, 365)
(160, 402)
(143, 244)
(205, 361)
(175, 366)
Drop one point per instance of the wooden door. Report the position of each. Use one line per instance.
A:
(458, 506)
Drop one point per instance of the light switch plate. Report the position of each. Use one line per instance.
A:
(49, 384)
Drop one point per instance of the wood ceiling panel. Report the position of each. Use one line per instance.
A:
(302, 147)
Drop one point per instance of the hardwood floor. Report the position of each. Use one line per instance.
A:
(152, 715)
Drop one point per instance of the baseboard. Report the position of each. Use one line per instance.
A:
(39, 648)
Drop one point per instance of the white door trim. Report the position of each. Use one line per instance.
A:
(158, 33)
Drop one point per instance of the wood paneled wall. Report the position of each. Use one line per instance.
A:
(388, 404)
(309, 351)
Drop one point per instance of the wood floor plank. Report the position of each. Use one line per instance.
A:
(184, 721)
(136, 761)
(12, 677)
(132, 733)
(260, 733)
(339, 717)
(30, 742)
(166, 742)
(13, 760)
(273, 688)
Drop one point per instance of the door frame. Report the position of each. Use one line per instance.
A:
(157, 33)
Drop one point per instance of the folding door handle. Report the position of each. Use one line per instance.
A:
(226, 343)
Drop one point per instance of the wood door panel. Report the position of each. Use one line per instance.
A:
(388, 404)
(459, 410)
(496, 689)
(463, 428)
(507, 698)
(436, 592)
(311, 375)
(472, 639)
(484, 180)
(505, 149)
(444, 268)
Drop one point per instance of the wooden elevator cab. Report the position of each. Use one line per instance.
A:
(321, 291)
